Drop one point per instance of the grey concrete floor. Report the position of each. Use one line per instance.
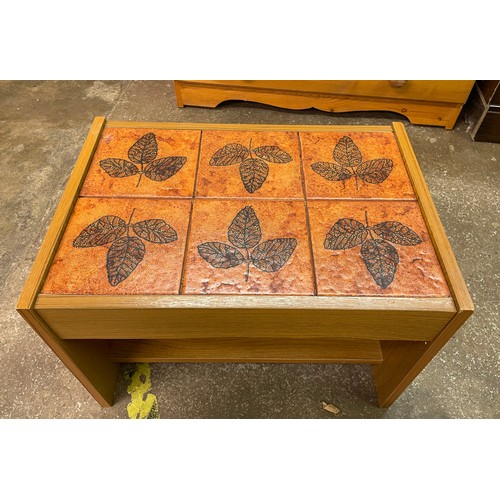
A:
(43, 126)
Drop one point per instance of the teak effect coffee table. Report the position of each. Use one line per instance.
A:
(247, 243)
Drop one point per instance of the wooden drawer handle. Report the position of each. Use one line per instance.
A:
(397, 83)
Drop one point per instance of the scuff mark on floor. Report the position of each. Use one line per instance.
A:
(107, 91)
(140, 384)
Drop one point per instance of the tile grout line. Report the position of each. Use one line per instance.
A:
(188, 234)
(233, 198)
(308, 223)
(137, 197)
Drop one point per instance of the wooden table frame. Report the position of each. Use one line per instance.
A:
(414, 329)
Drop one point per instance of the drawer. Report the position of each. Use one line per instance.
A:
(198, 317)
(450, 91)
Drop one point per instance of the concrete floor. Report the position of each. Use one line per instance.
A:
(44, 125)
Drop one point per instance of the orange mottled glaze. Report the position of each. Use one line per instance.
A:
(283, 179)
(343, 272)
(214, 263)
(116, 142)
(77, 270)
(277, 219)
(319, 146)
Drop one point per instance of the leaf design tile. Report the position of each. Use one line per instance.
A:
(354, 165)
(374, 248)
(249, 247)
(143, 163)
(244, 164)
(121, 246)
(224, 212)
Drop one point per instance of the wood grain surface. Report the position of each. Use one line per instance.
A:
(92, 329)
(265, 350)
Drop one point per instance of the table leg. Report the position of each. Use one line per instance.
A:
(404, 360)
(88, 360)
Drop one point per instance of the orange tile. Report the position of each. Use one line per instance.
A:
(229, 169)
(229, 254)
(116, 166)
(349, 170)
(344, 272)
(155, 250)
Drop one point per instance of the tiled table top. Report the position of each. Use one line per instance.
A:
(245, 212)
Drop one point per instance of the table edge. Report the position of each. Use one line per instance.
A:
(433, 304)
(249, 126)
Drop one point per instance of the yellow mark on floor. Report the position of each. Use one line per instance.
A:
(140, 384)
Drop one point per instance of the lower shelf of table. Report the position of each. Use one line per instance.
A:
(260, 350)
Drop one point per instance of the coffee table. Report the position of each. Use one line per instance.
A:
(178, 242)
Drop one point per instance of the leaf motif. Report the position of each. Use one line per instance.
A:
(253, 173)
(273, 154)
(100, 232)
(220, 255)
(144, 150)
(345, 233)
(244, 231)
(381, 259)
(164, 168)
(375, 171)
(331, 171)
(123, 257)
(272, 255)
(155, 230)
(346, 153)
(229, 155)
(397, 233)
(116, 167)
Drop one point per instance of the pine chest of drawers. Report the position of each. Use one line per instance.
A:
(423, 102)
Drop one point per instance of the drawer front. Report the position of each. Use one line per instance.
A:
(244, 323)
(452, 91)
